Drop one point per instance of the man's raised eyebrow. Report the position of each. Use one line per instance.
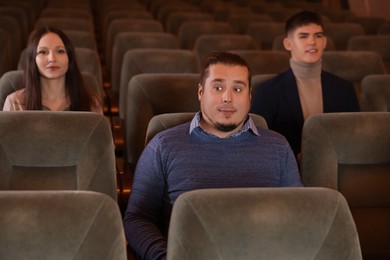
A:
(240, 82)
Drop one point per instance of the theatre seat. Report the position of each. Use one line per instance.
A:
(48, 150)
(376, 93)
(60, 225)
(262, 223)
(350, 152)
(162, 122)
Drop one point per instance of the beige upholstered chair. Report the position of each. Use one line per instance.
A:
(126, 25)
(152, 94)
(376, 43)
(262, 223)
(376, 93)
(350, 152)
(265, 61)
(175, 20)
(384, 29)
(47, 150)
(205, 44)
(60, 225)
(125, 41)
(265, 32)
(5, 57)
(167, 9)
(139, 61)
(342, 32)
(241, 21)
(162, 122)
(123, 13)
(67, 23)
(10, 26)
(370, 24)
(190, 30)
(353, 65)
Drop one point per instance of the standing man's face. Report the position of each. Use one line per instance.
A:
(306, 44)
(224, 99)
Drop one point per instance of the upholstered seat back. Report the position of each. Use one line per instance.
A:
(262, 223)
(140, 61)
(164, 121)
(46, 150)
(60, 225)
(350, 152)
(265, 61)
(125, 41)
(205, 44)
(376, 93)
(152, 94)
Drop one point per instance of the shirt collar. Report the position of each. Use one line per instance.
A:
(248, 125)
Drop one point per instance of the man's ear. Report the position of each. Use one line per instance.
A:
(200, 91)
(287, 43)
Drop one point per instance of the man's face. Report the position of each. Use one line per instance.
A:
(224, 99)
(306, 43)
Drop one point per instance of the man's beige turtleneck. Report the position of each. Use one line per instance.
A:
(308, 77)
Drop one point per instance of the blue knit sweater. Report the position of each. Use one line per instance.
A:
(175, 162)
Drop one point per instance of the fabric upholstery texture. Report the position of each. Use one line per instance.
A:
(341, 33)
(376, 43)
(265, 61)
(152, 94)
(127, 25)
(45, 150)
(353, 65)
(60, 225)
(139, 61)
(161, 122)
(175, 19)
(190, 30)
(125, 41)
(376, 93)
(265, 33)
(350, 152)
(205, 44)
(5, 57)
(262, 223)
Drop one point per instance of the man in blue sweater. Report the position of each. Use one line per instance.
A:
(220, 148)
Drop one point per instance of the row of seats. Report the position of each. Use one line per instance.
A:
(347, 152)
(343, 151)
(158, 105)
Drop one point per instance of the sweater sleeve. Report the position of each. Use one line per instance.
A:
(290, 173)
(145, 208)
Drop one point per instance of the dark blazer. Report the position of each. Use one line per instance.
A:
(277, 100)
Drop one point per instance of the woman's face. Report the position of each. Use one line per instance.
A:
(52, 59)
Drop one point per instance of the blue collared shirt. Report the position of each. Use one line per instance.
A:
(248, 125)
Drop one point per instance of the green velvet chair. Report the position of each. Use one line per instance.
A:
(350, 152)
(60, 225)
(262, 223)
(47, 150)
